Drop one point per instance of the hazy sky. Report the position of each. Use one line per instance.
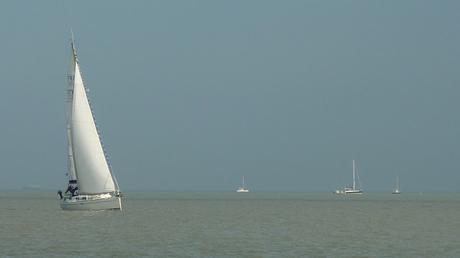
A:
(192, 95)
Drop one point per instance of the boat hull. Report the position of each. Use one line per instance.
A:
(354, 192)
(112, 203)
(348, 192)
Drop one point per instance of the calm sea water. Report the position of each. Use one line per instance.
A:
(234, 225)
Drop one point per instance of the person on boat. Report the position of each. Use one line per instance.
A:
(69, 189)
(60, 194)
(72, 189)
(75, 191)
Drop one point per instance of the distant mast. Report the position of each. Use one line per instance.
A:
(354, 175)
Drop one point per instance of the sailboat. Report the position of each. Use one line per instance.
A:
(242, 189)
(396, 190)
(92, 185)
(353, 189)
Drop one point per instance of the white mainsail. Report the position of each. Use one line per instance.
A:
(87, 160)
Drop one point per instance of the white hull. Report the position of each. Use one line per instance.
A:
(356, 191)
(112, 203)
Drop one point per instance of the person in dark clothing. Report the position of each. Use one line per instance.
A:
(73, 190)
(69, 189)
(60, 194)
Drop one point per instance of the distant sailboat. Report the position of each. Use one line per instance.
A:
(353, 189)
(396, 190)
(242, 189)
(92, 185)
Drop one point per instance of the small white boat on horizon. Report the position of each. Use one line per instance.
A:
(353, 189)
(396, 190)
(242, 189)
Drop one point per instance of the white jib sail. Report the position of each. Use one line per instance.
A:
(92, 171)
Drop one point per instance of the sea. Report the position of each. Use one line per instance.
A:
(234, 225)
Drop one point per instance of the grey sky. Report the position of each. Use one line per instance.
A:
(192, 95)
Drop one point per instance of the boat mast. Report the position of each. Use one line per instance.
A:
(72, 173)
(354, 182)
(243, 182)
